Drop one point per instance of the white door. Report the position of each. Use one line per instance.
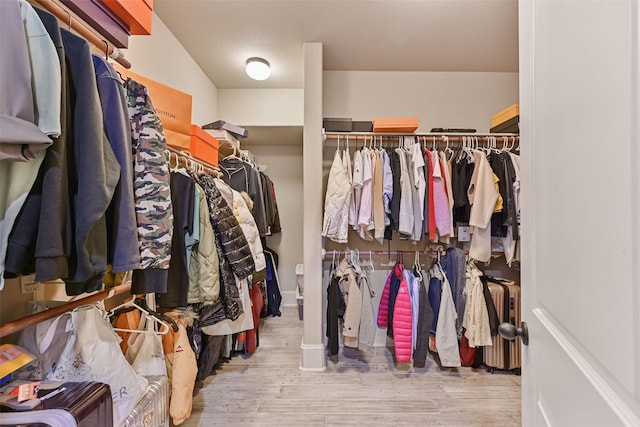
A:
(580, 139)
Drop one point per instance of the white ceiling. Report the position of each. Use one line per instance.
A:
(358, 35)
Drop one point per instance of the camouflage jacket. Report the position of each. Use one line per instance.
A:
(152, 193)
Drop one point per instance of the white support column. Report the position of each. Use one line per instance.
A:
(312, 354)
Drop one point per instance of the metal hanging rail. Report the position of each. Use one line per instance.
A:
(20, 324)
(185, 155)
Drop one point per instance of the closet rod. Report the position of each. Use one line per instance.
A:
(365, 252)
(453, 137)
(213, 170)
(18, 325)
(74, 24)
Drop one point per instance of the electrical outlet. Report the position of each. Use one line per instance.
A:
(29, 284)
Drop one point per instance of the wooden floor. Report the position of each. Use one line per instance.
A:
(268, 389)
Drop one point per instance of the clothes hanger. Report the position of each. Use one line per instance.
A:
(132, 303)
(163, 317)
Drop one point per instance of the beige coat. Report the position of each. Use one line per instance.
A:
(353, 299)
(182, 369)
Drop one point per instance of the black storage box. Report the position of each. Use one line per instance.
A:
(362, 126)
(337, 124)
(510, 126)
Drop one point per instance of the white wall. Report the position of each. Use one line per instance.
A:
(161, 57)
(438, 99)
(284, 167)
(261, 107)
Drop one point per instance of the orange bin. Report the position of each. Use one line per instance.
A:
(398, 124)
(138, 14)
(204, 146)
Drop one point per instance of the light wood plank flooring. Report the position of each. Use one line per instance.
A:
(268, 389)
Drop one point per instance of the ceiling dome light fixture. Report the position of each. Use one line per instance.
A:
(258, 68)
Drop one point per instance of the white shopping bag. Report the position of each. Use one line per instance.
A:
(93, 353)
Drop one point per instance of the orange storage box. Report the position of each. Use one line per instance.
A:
(398, 124)
(137, 14)
(173, 108)
(204, 146)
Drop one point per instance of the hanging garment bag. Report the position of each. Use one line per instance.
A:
(504, 354)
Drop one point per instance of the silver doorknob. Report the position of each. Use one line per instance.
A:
(510, 332)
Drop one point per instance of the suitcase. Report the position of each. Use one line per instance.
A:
(504, 354)
(71, 404)
(89, 402)
(153, 409)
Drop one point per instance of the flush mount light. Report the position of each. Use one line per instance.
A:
(258, 68)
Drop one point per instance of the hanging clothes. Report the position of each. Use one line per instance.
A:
(336, 203)
(406, 196)
(453, 264)
(430, 198)
(348, 283)
(183, 203)
(333, 312)
(377, 197)
(483, 196)
(446, 169)
(239, 203)
(38, 240)
(365, 213)
(152, 192)
(446, 337)
(394, 204)
(367, 333)
(270, 205)
(20, 139)
(96, 172)
(204, 276)
(274, 297)
(242, 176)
(476, 315)
(403, 323)
(357, 182)
(122, 239)
(440, 198)
(425, 321)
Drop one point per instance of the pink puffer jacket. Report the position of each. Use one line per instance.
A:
(402, 323)
(383, 308)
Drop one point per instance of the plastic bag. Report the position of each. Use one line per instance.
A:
(92, 353)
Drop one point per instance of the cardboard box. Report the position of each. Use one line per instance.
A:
(204, 146)
(396, 124)
(173, 108)
(504, 115)
(137, 14)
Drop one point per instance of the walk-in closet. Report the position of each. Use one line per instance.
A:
(319, 213)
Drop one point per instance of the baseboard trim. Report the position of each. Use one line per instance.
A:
(312, 357)
(289, 298)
